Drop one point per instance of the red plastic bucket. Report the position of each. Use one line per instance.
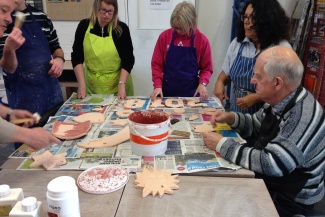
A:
(148, 132)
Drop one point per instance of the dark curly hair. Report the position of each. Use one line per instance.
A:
(271, 23)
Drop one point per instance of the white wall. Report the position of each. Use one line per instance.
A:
(214, 20)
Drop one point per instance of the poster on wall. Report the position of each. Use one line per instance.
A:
(68, 9)
(155, 14)
(161, 4)
(76, 10)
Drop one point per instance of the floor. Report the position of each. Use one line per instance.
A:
(5, 151)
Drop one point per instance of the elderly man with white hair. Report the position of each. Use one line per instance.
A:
(288, 151)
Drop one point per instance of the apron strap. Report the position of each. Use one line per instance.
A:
(270, 124)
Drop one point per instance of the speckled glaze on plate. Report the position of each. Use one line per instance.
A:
(103, 179)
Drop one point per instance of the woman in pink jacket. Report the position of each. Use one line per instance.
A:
(182, 62)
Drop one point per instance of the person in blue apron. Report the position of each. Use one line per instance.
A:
(33, 85)
(255, 32)
(102, 56)
(182, 61)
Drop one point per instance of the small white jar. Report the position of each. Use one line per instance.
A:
(28, 207)
(62, 197)
(8, 198)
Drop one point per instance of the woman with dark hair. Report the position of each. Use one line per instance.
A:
(104, 44)
(262, 24)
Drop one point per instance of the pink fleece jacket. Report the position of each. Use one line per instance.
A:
(203, 52)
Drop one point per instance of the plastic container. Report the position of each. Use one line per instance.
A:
(148, 132)
(28, 207)
(62, 197)
(8, 198)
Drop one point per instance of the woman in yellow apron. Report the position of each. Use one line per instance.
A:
(102, 55)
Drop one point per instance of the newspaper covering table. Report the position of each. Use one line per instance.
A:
(186, 152)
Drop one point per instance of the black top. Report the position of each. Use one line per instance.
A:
(123, 43)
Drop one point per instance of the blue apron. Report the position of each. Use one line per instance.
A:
(241, 73)
(180, 70)
(30, 87)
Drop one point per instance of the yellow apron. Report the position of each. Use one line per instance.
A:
(103, 65)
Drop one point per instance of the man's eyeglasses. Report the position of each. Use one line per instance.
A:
(251, 18)
(103, 11)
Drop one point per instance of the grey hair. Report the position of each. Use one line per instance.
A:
(184, 16)
(288, 67)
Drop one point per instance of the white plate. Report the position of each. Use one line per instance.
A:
(103, 179)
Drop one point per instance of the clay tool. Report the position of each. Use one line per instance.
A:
(20, 18)
(25, 120)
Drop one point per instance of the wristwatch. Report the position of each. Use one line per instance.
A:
(203, 83)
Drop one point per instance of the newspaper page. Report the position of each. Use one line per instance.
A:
(186, 151)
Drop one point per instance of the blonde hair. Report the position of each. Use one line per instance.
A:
(184, 16)
(94, 16)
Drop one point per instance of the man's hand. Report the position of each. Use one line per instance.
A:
(57, 67)
(222, 117)
(9, 60)
(14, 40)
(18, 114)
(40, 138)
(37, 138)
(211, 139)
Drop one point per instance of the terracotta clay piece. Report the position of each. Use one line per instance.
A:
(156, 182)
(134, 103)
(48, 160)
(208, 111)
(193, 117)
(124, 113)
(108, 141)
(156, 104)
(183, 134)
(68, 131)
(203, 128)
(93, 117)
(179, 111)
(119, 122)
(195, 103)
(178, 103)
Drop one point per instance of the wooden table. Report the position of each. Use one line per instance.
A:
(201, 196)
(34, 184)
(197, 196)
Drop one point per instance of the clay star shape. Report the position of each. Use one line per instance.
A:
(48, 160)
(156, 182)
